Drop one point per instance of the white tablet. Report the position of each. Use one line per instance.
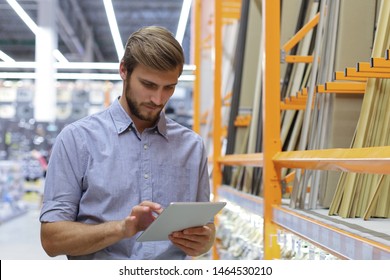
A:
(178, 216)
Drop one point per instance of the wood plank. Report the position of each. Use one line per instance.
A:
(255, 159)
(375, 160)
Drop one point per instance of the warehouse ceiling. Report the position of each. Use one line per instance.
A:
(78, 19)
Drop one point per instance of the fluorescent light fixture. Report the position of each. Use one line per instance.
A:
(32, 25)
(61, 76)
(21, 65)
(74, 65)
(23, 15)
(6, 57)
(88, 65)
(78, 76)
(114, 28)
(181, 27)
(59, 56)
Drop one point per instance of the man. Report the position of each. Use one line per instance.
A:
(111, 173)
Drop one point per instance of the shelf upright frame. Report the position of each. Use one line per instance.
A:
(271, 122)
(217, 120)
(197, 12)
(217, 131)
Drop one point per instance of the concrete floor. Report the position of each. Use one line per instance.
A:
(19, 238)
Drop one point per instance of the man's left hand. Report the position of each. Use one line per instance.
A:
(194, 241)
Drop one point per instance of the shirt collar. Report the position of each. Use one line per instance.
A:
(122, 120)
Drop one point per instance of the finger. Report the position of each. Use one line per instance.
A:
(138, 209)
(188, 251)
(155, 207)
(204, 230)
(195, 238)
(191, 248)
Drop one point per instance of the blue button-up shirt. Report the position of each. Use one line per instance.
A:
(101, 167)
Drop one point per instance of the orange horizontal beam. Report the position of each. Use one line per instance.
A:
(351, 72)
(289, 106)
(321, 89)
(289, 189)
(289, 177)
(340, 76)
(243, 120)
(231, 15)
(379, 62)
(301, 33)
(227, 21)
(255, 159)
(231, 3)
(345, 86)
(374, 160)
(298, 99)
(366, 67)
(298, 59)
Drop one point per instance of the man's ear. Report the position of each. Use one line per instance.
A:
(123, 70)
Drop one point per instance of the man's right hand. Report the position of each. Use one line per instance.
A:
(141, 217)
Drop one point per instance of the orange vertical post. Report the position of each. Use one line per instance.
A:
(217, 125)
(196, 97)
(107, 94)
(271, 119)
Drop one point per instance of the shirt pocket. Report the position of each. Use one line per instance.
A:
(171, 184)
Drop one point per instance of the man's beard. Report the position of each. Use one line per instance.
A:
(135, 108)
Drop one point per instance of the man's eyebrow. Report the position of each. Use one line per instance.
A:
(145, 80)
(151, 82)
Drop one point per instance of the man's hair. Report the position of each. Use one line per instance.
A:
(153, 47)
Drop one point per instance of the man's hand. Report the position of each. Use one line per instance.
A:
(194, 241)
(141, 217)
(74, 238)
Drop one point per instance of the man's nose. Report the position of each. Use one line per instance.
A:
(158, 97)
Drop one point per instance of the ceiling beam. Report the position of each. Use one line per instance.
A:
(86, 27)
(69, 37)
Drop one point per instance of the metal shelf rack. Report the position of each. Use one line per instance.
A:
(338, 241)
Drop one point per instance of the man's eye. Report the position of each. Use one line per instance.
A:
(148, 85)
(170, 88)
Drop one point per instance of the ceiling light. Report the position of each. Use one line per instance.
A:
(32, 25)
(114, 28)
(181, 27)
(74, 65)
(78, 76)
(23, 15)
(6, 57)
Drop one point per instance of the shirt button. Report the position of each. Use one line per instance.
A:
(146, 175)
(145, 146)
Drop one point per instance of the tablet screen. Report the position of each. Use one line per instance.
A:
(178, 216)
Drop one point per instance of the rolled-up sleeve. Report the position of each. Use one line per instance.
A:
(64, 180)
(204, 178)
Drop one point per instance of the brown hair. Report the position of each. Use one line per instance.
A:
(154, 47)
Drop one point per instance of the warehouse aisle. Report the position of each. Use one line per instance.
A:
(19, 238)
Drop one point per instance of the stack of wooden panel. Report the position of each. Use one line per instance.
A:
(365, 195)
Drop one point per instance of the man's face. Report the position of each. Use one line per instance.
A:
(146, 92)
